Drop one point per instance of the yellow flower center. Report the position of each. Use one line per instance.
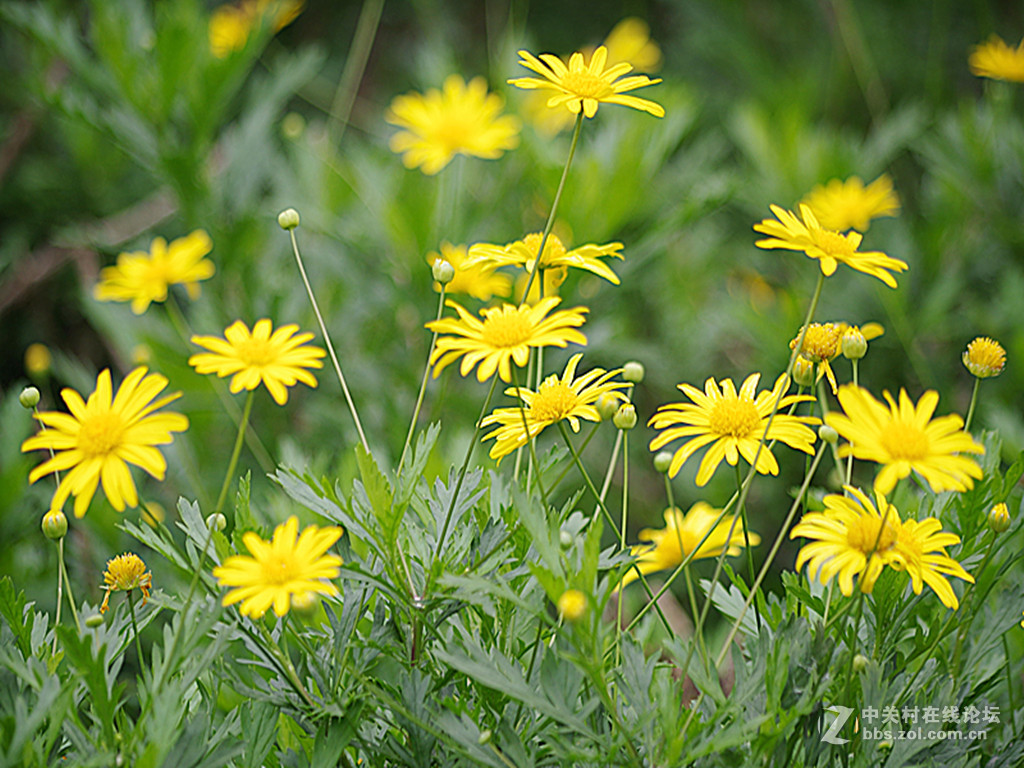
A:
(101, 434)
(985, 357)
(836, 245)
(278, 570)
(158, 274)
(506, 328)
(586, 85)
(553, 249)
(735, 418)
(256, 353)
(904, 441)
(864, 535)
(821, 342)
(553, 401)
(455, 131)
(125, 572)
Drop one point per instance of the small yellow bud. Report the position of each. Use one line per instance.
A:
(572, 604)
(625, 417)
(95, 620)
(216, 522)
(443, 271)
(999, 518)
(633, 371)
(853, 344)
(153, 514)
(55, 524)
(304, 604)
(37, 360)
(828, 434)
(803, 371)
(606, 406)
(662, 461)
(29, 397)
(985, 357)
(288, 218)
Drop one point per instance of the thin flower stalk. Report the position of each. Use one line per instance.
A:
(698, 627)
(233, 462)
(423, 388)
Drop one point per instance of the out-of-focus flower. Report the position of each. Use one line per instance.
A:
(480, 281)
(572, 604)
(843, 205)
(997, 60)
(232, 23)
(125, 573)
(37, 360)
(523, 253)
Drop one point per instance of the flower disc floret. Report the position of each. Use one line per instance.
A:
(985, 357)
(732, 423)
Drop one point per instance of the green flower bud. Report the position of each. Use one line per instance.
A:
(443, 271)
(484, 737)
(625, 417)
(565, 539)
(828, 434)
(29, 397)
(633, 371)
(860, 663)
(999, 518)
(288, 218)
(293, 125)
(93, 621)
(803, 371)
(853, 344)
(662, 461)
(55, 524)
(606, 406)
(216, 521)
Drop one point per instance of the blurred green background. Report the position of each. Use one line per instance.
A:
(117, 124)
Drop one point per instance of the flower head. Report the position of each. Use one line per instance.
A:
(842, 205)
(142, 278)
(231, 24)
(290, 567)
(580, 86)
(125, 573)
(506, 334)
(276, 359)
(685, 534)
(101, 436)
(477, 280)
(985, 357)
(904, 437)
(821, 343)
(733, 423)
(920, 551)
(997, 60)
(462, 119)
(829, 247)
(523, 253)
(567, 397)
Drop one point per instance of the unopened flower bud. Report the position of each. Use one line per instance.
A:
(572, 604)
(853, 344)
(293, 125)
(999, 518)
(55, 524)
(288, 218)
(304, 604)
(828, 434)
(484, 737)
(443, 271)
(29, 397)
(565, 539)
(216, 522)
(662, 461)
(860, 663)
(803, 371)
(93, 621)
(625, 417)
(606, 406)
(633, 371)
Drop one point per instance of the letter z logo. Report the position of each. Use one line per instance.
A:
(842, 715)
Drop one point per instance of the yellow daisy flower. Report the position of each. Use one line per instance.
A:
(523, 253)
(920, 550)
(507, 333)
(553, 279)
(278, 360)
(997, 60)
(829, 247)
(904, 437)
(100, 437)
(842, 205)
(568, 398)
(477, 280)
(582, 86)
(231, 24)
(123, 574)
(820, 345)
(142, 278)
(852, 537)
(985, 357)
(463, 118)
(680, 537)
(733, 423)
(288, 568)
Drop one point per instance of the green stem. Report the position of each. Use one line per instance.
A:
(534, 463)
(135, 627)
(974, 402)
(746, 543)
(1009, 687)
(423, 388)
(355, 65)
(622, 537)
(229, 475)
(327, 340)
(286, 665)
(63, 576)
(698, 628)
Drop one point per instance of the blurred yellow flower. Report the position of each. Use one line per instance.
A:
(37, 360)
(231, 24)
(290, 568)
(523, 253)
(462, 119)
(123, 574)
(553, 279)
(100, 437)
(829, 247)
(276, 359)
(985, 357)
(904, 437)
(582, 87)
(569, 398)
(997, 60)
(843, 205)
(142, 278)
(506, 335)
(477, 280)
(733, 423)
(572, 604)
(681, 536)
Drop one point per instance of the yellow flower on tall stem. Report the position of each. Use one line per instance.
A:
(277, 359)
(682, 534)
(920, 547)
(505, 335)
(123, 574)
(842, 205)
(523, 253)
(733, 423)
(829, 247)
(984, 357)
(463, 118)
(477, 280)
(142, 278)
(581, 86)
(101, 436)
(996, 60)
(904, 437)
(288, 568)
(557, 398)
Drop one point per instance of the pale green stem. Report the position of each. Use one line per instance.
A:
(746, 542)
(355, 65)
(1009, 687)
(974, 402)
(849, 459)
(327, 340)
(229, 475)
(622, 537)
(423, 387)
(698, 628)
(135, 627)
(529, 442)
(286, 665)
